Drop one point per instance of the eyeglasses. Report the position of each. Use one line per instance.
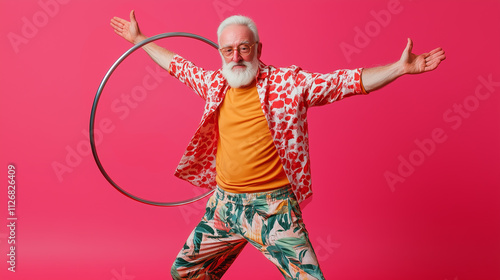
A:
(242, 49)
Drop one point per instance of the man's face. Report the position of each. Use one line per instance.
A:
(239, 69)
(235, 35)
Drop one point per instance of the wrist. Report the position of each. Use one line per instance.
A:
(139, 38)
(399, 69)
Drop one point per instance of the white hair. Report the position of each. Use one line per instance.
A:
(238, 20)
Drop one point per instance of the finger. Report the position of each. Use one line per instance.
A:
(436, 54)
(439, 57)
(115, 22)
(432, 66)
(118, 32)
(132, 16)
(409, 46)
(116, 25)
(119, 20)
(438, 51)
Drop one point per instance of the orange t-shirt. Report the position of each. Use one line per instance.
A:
(247, 160)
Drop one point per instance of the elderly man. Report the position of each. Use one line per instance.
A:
(252, 147)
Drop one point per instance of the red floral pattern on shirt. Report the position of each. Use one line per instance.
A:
(285, 96)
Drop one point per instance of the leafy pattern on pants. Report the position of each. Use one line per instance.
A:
(270, 221)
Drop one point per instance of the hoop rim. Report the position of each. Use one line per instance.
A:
(96, 103)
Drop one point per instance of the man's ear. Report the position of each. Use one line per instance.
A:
(259, 50)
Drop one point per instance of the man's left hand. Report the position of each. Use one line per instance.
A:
(416, 64)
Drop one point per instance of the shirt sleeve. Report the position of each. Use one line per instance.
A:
(321, 89)
(191, 75)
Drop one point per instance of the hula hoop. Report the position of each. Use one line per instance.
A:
(96, 102)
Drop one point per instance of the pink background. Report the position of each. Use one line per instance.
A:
(437, 218)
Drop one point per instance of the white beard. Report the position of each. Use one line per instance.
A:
(240, 78)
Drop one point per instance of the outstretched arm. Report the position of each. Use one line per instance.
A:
(130, 31)
(378, 77)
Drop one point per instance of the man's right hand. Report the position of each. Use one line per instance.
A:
(129, 30)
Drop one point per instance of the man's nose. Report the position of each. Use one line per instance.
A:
(236, 56)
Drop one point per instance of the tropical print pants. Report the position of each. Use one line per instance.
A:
(270, 221)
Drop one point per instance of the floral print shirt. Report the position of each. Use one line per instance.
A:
(285, 95)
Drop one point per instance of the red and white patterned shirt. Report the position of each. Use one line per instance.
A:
(285, 95)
